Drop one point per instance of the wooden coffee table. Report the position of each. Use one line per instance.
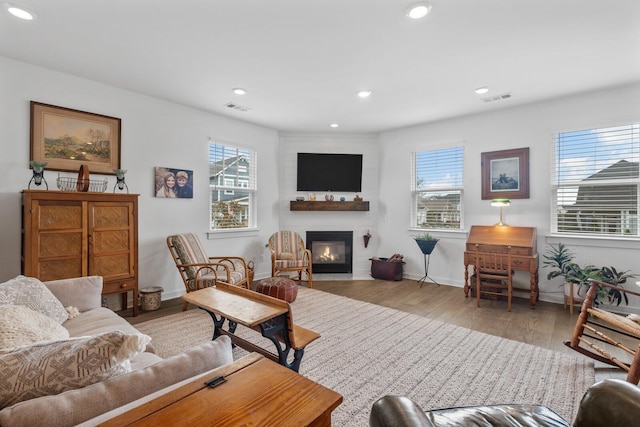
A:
(257, 392)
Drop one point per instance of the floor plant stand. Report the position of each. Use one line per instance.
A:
(427, 246)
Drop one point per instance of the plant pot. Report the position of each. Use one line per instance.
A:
(427, 246)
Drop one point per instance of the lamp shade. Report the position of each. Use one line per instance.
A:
(500, 202)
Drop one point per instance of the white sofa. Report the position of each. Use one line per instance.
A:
(149, 373)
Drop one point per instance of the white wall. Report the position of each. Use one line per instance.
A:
(530, 126)
(154, 133)
(358, 222)
(159, 133)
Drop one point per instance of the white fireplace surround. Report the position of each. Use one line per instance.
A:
(357, 222)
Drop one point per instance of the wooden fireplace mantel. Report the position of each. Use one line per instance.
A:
(308, 205)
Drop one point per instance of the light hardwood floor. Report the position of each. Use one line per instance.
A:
(547, 326)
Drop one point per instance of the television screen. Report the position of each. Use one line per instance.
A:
(329, 172)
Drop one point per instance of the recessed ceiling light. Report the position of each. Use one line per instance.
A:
(239, 91)
(334, 125)
(20, 12)
(418, 10)
(481, 90)
(364, 93)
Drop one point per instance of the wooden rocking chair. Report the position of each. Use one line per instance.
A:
(607, 337)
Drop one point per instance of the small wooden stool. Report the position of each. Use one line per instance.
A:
(279, 287)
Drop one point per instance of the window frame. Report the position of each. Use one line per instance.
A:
(563, 188)
(245, 186)
(457, 187)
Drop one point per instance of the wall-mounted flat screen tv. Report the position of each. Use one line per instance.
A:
(329, 172)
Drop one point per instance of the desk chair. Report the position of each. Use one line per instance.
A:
(493, 273)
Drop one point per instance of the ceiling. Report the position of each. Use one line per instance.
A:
(302, 61)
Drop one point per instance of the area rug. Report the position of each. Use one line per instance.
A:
(367, 351)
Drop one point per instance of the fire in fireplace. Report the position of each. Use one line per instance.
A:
(331, 251)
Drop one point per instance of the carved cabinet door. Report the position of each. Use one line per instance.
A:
(57, 246)
(111, 240)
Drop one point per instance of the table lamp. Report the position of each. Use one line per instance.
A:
(500, 203)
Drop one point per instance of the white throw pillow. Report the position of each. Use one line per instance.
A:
(48, 368)
(20, 326)
(32, 293)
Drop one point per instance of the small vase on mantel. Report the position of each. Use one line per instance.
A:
(328, 197)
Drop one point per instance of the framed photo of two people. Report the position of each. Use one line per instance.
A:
(173, 183)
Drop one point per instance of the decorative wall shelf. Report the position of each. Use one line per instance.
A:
(307, 205)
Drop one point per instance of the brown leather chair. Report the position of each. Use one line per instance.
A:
(607, 403)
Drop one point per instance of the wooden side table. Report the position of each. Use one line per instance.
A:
(257, 392)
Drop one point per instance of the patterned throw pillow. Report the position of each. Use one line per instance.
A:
(54, 367)
(19, 326)
(32, 293)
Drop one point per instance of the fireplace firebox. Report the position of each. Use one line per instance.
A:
(331, 251)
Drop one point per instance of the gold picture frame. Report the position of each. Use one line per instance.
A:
(505, 174)
(66, 139)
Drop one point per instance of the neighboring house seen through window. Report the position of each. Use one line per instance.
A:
(437, 186)
(595, 182)
(232, 183)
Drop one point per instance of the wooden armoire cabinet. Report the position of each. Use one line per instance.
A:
(72, 234)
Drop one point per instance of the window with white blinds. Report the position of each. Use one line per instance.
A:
(437, 187)
(595, 182)
(232, 185)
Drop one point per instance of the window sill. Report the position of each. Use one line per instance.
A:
(453, 233)
(226, 234)
(593, 241)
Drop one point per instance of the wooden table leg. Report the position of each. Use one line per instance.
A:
(535, 293)
(466, 280)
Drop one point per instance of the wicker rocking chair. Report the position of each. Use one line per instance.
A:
(198, 270)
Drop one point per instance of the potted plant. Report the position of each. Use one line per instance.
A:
(575, 278)
(617, 278)
(580, 278)
(426, 242)
(560, 259)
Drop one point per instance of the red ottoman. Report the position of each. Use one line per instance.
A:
(279, 287)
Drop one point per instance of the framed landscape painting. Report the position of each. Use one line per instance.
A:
(67, 139)
(505, 174)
